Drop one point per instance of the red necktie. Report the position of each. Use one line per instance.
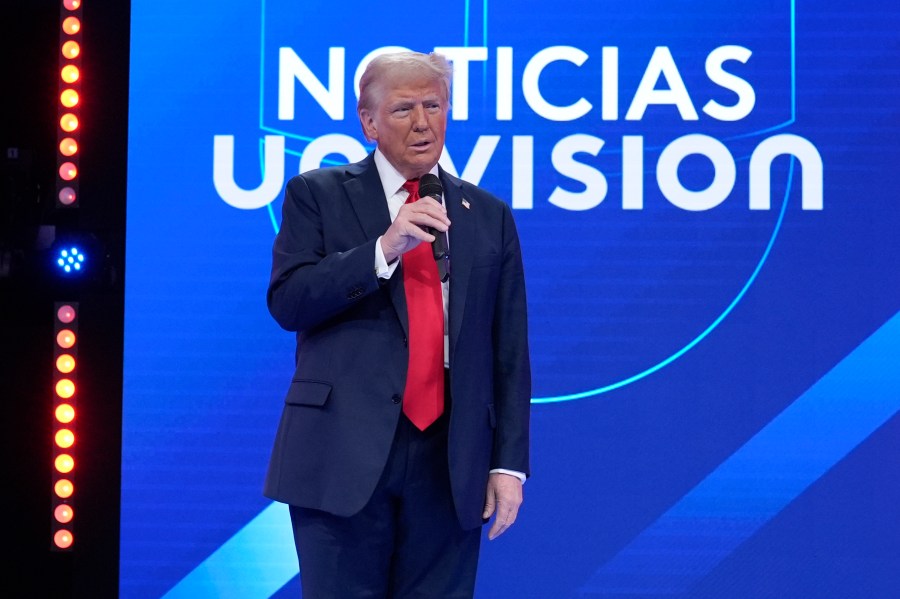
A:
(423, 399)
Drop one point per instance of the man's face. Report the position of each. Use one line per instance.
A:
(409, 124)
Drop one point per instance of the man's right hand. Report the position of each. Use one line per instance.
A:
(408, 229)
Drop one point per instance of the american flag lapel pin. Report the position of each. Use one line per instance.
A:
(465, 204)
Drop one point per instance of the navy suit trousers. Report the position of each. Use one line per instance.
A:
(405, 543)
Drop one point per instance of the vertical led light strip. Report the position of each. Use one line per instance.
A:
(65, 354)
(69, 103)
(65, 393)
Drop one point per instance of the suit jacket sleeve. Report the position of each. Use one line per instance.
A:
(309, 284)
(512, 367)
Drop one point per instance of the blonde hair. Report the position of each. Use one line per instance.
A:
(390, 69)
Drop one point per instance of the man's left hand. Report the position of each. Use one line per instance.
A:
(504, 496)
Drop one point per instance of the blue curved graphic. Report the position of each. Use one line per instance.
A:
(702, 335)
(715, 323)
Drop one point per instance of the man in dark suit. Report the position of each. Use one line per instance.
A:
(387, 495)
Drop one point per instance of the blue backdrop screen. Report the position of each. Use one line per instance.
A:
(706, 197)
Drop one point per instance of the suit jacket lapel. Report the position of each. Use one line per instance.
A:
(363, 187)
(461, 240)
(364, 190)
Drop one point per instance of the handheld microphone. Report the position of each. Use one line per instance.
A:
(430, 185)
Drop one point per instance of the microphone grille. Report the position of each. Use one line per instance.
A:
(430, 185)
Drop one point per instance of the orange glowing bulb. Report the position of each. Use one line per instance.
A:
(68, 147)
(65, 438)
(63, 539)
(63, 513)
(68, 171)
(66, 313)
(65, 388)
(65, 338)
(69, 73)
(71, 49)
(65, 363)
(63, 489)
(71, 25)
(68, 98)
(65, 413)
(68, 122)
(64, 463)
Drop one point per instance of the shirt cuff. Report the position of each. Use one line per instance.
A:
(516, 473)
(383, 270)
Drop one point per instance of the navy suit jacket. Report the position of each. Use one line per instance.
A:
(343, 404)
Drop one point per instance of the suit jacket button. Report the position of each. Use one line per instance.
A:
(395, 398)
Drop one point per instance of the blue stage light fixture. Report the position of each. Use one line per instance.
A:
(71, 260)
(75, 258)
